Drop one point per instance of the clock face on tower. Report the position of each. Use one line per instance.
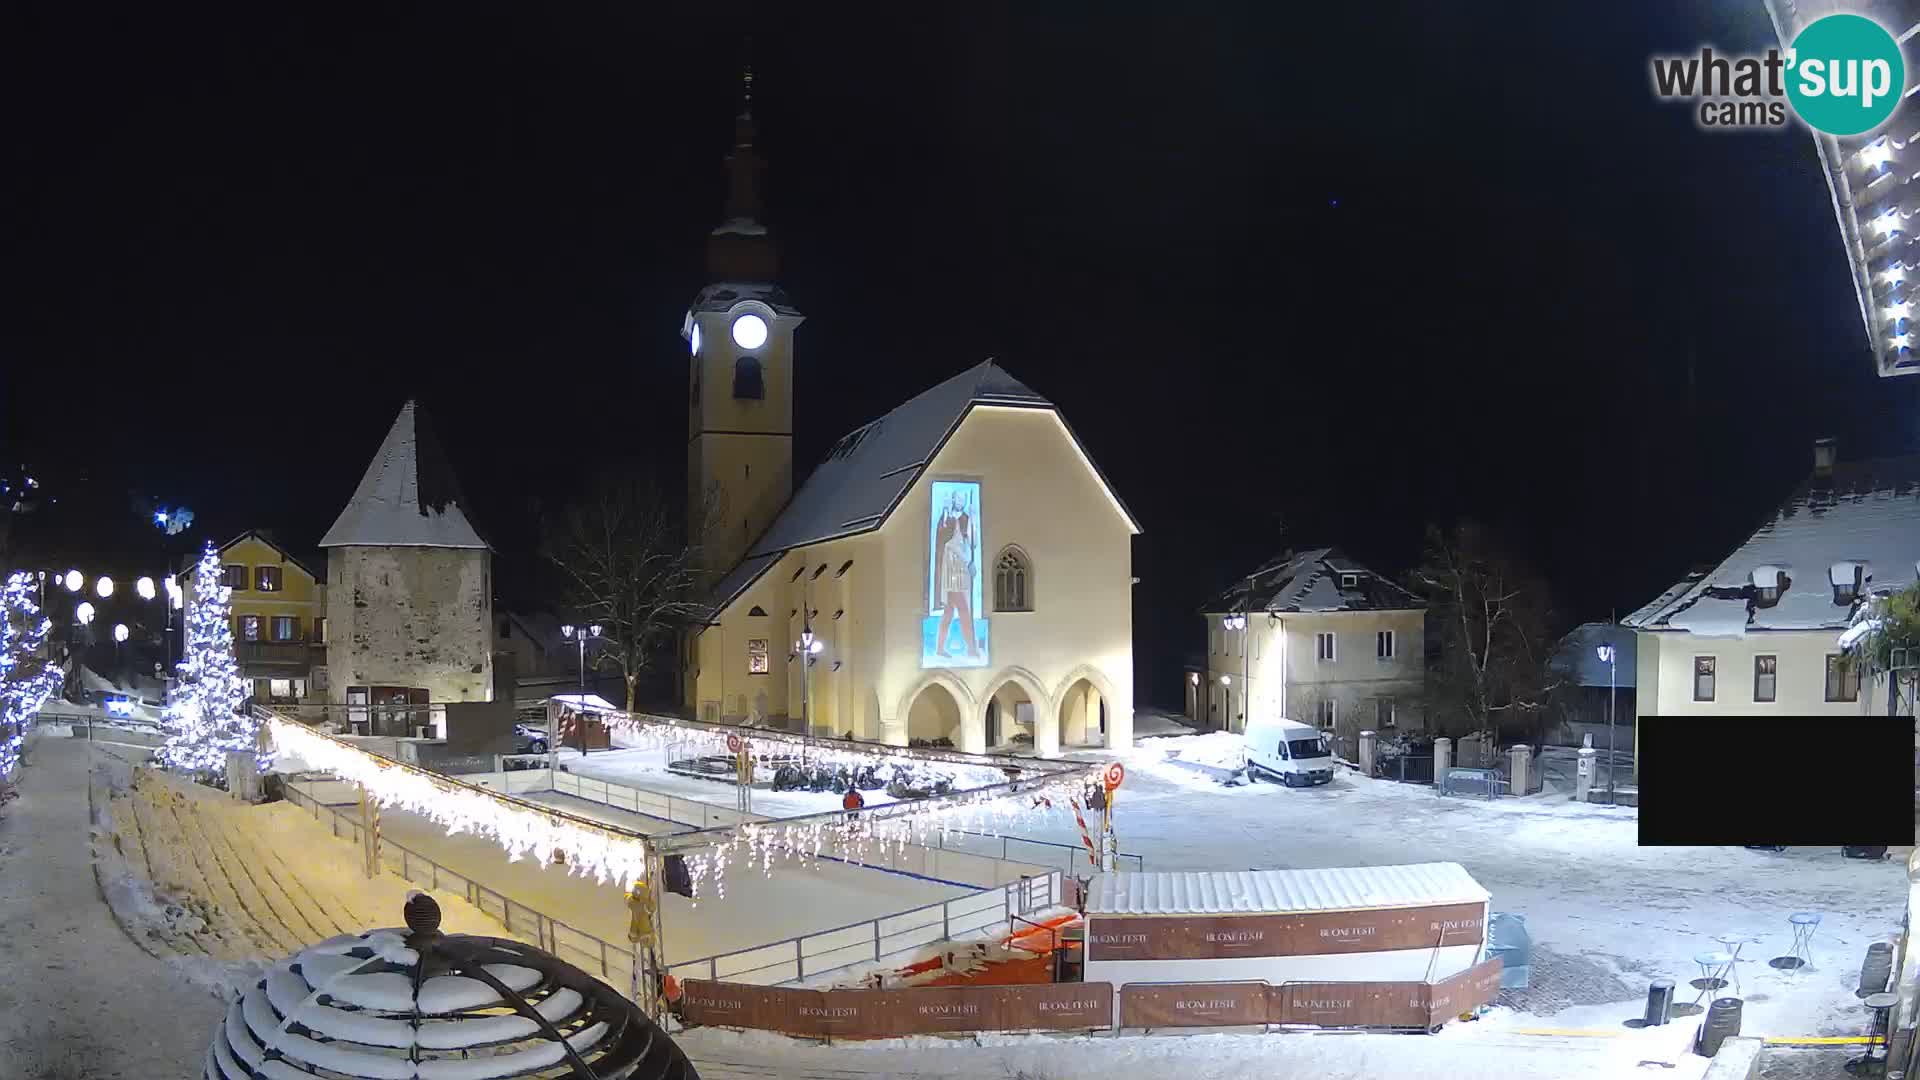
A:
(693, 339)
(749, 331)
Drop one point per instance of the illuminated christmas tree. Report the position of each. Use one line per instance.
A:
(27, 678)
(205, 716)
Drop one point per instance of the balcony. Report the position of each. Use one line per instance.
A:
(291, 657)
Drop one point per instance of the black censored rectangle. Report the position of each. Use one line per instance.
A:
(1799, 781)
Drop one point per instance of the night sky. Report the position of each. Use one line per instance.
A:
(1353, 269)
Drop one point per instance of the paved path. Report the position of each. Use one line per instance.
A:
(77, 997)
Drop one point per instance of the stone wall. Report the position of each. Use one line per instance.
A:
(410, 616)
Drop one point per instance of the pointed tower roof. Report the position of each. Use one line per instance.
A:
(408, 497)
(741, 249)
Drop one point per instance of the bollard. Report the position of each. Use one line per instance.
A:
(1659, 1002)
(1583, 774)
(1722, 1023)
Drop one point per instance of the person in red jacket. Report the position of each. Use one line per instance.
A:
(854, 800)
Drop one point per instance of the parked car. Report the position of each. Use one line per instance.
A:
(529, 739)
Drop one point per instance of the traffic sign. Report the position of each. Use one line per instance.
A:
(734, 744)
(1116, 772)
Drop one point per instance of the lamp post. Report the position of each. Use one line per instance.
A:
(581, 635)
(807, 648)
(1607, 655)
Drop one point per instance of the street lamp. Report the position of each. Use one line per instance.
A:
(73, 581)
(104, 586)
(581, 635)
(1607, 657)
(807, 648)
(145, 588)
(84, 613)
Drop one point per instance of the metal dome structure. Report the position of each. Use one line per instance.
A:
(416, 1004)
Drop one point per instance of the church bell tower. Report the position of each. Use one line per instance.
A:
(740, 400)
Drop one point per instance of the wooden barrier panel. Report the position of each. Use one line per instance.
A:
(1472, 988)
(1214, 937)
(884, 1014)
(1349, 1004)
(1164, 1005)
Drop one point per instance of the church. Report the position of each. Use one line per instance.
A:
(956, 572)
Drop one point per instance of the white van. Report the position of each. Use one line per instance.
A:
(1293, 753)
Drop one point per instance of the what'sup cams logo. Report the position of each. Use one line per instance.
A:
(1843, 75)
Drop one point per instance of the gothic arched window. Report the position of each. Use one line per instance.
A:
(747, 382)
(1013, 581)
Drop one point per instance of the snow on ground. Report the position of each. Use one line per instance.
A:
(757, 909)
(1461, 1052)
(648, 769)
(67, 972)
(1605, 914)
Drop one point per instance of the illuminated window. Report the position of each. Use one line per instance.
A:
(1013, 581)
(250, 628)
(286, 628)
(1843, 679)
(1703, 678)
(1766, 675)
(266, 578)
(320, 630)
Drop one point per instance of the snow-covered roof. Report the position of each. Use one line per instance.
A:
(1578, 654)
(1225, 892)
(868, 472)
(721, 296)
(408, 497)
(1866, 512)
(1310, 581)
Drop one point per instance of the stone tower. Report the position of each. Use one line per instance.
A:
(409, 582)
(740, 402)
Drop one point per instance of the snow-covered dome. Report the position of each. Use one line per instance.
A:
(414, 1003)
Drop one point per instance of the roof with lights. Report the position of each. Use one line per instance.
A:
(1875, 198)
(1865, 515)
(408, 497)
(870, 470)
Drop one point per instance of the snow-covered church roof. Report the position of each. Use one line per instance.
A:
(1316, 580)
(408, 497)
(1866, 514)
(866, 474)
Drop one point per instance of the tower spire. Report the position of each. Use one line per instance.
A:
(740, 248)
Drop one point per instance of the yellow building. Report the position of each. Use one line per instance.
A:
(279, 618)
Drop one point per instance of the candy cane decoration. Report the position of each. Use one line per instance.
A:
(1085, 836)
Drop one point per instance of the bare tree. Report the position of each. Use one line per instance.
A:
(1491, 614)
(628, 565)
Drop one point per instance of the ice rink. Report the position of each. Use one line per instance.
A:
(756, 910)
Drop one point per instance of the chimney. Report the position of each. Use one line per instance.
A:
(1824, 452)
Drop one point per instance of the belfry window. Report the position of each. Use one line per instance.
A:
(747, 382)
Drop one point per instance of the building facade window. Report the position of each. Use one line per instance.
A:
(1325, 648)
(1329, 712)
(1843, 679)
(266, 578)
(234, 576)
(1383, 712)
(1383, 644)
(1013, 581)
(320, 630)
(1766, 677)
(1703, 678)
(250, 628)
(286, 628)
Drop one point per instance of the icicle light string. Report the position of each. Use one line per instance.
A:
(607, 854)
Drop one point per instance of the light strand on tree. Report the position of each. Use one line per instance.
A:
(609, 854)
(203, 718)
(27, 679)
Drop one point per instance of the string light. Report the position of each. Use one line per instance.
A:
(520, 828)
(203, 717)
(27, 679)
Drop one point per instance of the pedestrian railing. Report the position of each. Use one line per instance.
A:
(613, 963)
(873, 941)
(682, 811)
(1037, 852)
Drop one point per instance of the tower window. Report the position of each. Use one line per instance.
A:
(747, 383)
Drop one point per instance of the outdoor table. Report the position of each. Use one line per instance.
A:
(1877, 1038)
(1733, 944)
(1804, 923)
(1713, 966)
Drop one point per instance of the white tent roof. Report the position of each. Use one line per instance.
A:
(593, 701)
(1250, 892)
